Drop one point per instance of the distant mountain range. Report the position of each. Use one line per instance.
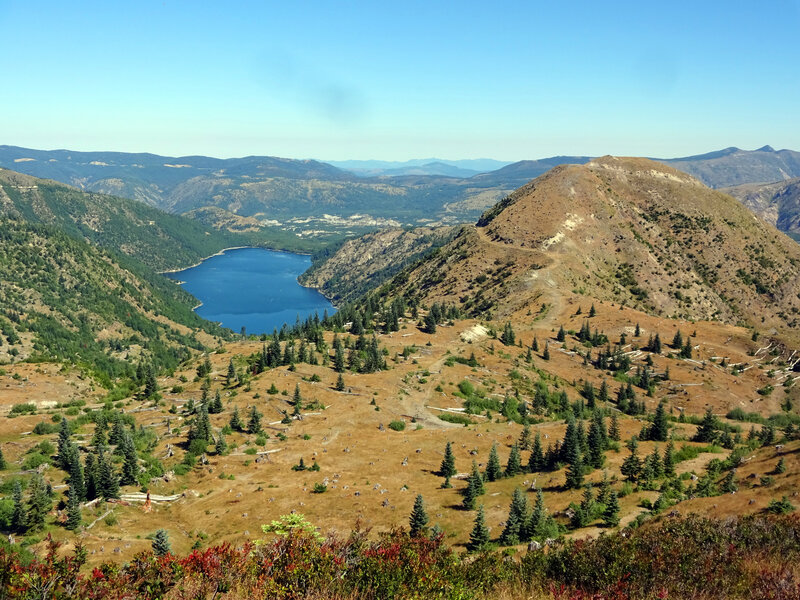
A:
(308, 199)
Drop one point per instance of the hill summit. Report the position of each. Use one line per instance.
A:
(629, 230)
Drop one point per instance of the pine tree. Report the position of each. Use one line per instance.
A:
(611, 513)
(546, 353)
(656, 345)
(254, 422)
(535, 344)
(220, 446)
(338, 355)
(130, 463)
(592, 311)
(677, 341)
(729, 483)
(597, 441)
(150, 383)
(117, 431)
(448, 466)
(38, 503)
(535, 524)
(215, 406)
(638, 331)
(707, 432)
(73, 510)
(536, 462)
(668, 462)
(108, 483)
(517, 517)
(160, 544)
(659, 431)
(686, 351)
(574, 478)
(603, 394)
(474, 487)
(64, 444)
(340, 383)
(236, 421)
(525, 438)
(100, 437)
(76, 476)
(479, 536)
(18, 522)
(632, 465)
(297, 399)
(230, 377)
(613, 430)
(417, 525)
(561, 335)
(3, 463)
(90, 477)
(604, 494)
(514, 465)
(588, 393)
(493, 469)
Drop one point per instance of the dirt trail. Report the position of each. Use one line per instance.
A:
(540, 279)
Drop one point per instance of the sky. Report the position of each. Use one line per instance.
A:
(342, 80)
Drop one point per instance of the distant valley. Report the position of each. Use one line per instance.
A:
(314, 200)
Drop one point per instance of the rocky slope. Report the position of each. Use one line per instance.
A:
(364, 263)
(777, 203)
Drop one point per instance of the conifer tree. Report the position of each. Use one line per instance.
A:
(254, 422)
(448, 466)
(236, 421)
(160, 543)
(493, 469)
(150, 382)
(73, 510)
(656, 345)
(546, 353)
(729, 483)
(117, 430)
(638, 331)
(686, 351)
(668, 462)
(38, 503)
(297, 399)
(76, 475)
(602, 395)
(220, 446)
(3, 463)
(340, 383)
(230, 377)
(561, 335)
(479, 536)
(613, 430)
(18, 521)
(574, 478)
(597, 441)
(90, 477)
(535, 344)
(677, 341)
(474, 487)
(604, 494)
(517, 517)
(64, 445)
(130, 463)
(417, 525)
(707, 431)
(592, 311)
(215, 406)
(611, 513)
(632, 465)
(508, 338)
(659, 431)
(535, 524)
(536, 462)
(338, 354)
(514, 465)
(588, 393)
(108, 483)
(525, 438)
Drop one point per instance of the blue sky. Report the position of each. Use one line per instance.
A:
(339, 80)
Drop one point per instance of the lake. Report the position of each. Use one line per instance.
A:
(252, 288)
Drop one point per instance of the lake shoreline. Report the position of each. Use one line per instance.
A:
(273, 275)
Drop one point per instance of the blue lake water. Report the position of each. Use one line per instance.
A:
(253, 288)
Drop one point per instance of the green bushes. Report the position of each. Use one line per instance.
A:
(745, 557)
(397, 425)
(456, 418)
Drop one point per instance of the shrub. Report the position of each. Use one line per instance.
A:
(397, 425)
